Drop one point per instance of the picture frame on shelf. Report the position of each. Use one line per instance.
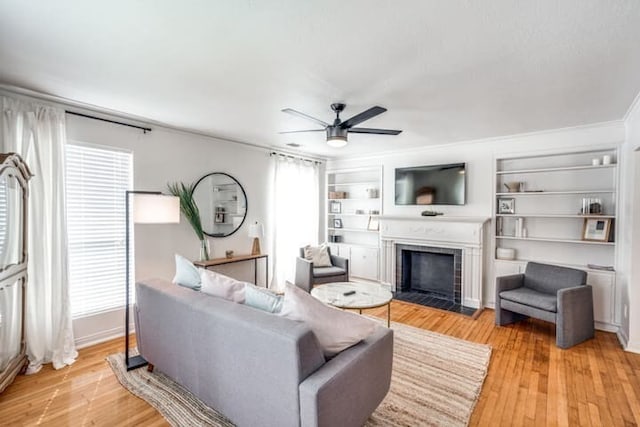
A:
(337, 223)
(335, 207)
(596, 229)
(506, 205)
(374, 224)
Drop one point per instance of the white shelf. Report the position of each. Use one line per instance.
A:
(352, 214)
(345, 184)
(360, 245)
(558, 169)
(578, 266)
(553, 216)
(548, 239)
(359, 230)
(355, 198)
(553, 193)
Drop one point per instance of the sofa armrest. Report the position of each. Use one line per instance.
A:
(346, 390)
(338, 261)
(574, 321)
(506, 283)
(304, 274)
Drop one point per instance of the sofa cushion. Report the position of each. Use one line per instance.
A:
(262, 299)
(551, 278)
(187, 274)
(222, 286)
(532, 298)
(335, 329)
(318, 255)
(327, 271)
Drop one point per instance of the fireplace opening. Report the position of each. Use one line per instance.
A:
(429, 273)
(431, 276)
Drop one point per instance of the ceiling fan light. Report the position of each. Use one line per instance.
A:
(337, 141)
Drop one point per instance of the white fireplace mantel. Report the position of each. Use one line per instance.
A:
(465, 233)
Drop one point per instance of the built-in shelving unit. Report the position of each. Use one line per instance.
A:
(545, 206)
(354, 203)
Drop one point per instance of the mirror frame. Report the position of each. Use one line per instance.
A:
(246, 202)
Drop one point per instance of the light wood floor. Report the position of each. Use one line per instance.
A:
(530, 381)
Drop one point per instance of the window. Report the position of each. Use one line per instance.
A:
(97, 179)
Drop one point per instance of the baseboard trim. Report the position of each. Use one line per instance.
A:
(100, 337)
(633, 347)
(607, 327)
(622, 338)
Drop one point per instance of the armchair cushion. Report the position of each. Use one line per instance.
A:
(532, 298)
(318, 255)
(328, 271)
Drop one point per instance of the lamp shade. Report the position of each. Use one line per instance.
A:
(337, 141)
(156, 209)
(256, 230)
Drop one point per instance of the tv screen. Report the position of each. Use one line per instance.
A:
(431, 185)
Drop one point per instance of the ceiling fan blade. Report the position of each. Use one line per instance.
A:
(376, 131)
(304, 116)
(365, 115)
(306, 130)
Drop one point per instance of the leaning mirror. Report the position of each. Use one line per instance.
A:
(222, 203)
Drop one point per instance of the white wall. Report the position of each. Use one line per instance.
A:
(163, 156)
(480, 158)
(631, 326)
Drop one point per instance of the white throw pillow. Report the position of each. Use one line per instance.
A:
(222, 286)
(187, 274)
(335, 329)
(318, 255)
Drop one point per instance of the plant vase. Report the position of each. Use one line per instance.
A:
(204, 250)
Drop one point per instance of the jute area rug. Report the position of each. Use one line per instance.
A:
(436, 380)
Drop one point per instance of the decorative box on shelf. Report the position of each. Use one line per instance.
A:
(337, 194)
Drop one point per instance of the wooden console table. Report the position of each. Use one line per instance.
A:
(240, 258)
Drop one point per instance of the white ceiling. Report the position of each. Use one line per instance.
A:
(446, 70)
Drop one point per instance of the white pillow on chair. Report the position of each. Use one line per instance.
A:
(318, 255)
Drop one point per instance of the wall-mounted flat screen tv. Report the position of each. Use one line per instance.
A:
(431, 185)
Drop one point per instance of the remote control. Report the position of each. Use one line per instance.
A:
(346, 294)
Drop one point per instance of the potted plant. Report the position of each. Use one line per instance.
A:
(190, 210)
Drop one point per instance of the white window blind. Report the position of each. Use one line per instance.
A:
(97, 179)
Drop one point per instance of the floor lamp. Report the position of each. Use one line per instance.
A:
(149, 207)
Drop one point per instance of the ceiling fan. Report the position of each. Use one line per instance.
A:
(338, 131)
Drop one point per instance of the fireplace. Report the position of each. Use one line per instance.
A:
(461, 237)
(430, 271)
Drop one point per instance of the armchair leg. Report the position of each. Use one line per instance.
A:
(506, 317)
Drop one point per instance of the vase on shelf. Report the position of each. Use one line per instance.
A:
(204, 249)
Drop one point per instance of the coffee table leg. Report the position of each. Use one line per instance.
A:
(389, 315)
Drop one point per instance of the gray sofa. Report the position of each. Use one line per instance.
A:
(257, 368)
(548, 292)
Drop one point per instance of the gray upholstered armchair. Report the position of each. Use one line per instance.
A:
(556, 294)
(307, 275)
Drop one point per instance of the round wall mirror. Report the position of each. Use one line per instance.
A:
(222, 203)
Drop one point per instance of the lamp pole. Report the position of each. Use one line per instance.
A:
(137, 361)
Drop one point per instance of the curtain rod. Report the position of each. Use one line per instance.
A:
(143, 129)
(290, 156)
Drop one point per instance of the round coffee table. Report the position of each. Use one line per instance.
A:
(367, 295)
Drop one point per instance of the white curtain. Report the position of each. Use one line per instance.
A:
(37, 133)
(295, 214)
